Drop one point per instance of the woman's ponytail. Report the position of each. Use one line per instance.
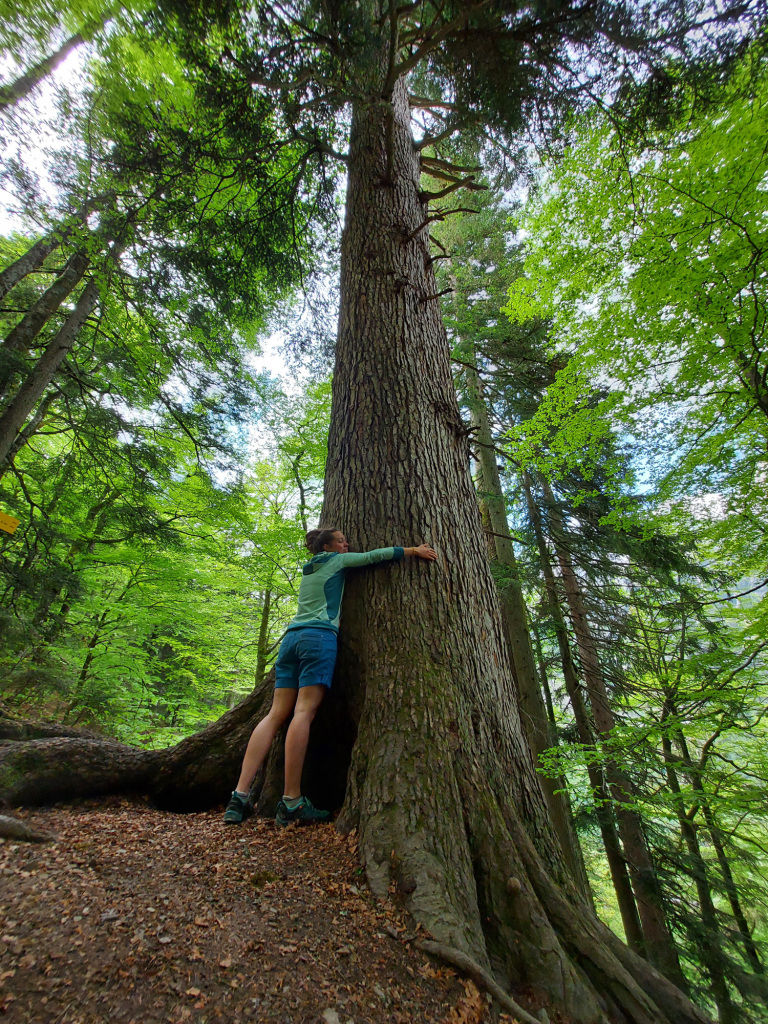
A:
(317, 539)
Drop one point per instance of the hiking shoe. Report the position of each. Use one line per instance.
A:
(305, 814)
(237, 809)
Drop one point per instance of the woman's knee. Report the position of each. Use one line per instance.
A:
(283, 704)
(276, 716)
(305, 715)
(309, 700)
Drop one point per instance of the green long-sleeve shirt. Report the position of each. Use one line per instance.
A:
(322, 585)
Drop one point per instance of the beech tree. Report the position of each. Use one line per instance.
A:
(440, 782)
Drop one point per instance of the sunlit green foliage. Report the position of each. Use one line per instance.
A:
(650, 262)
(133, 602)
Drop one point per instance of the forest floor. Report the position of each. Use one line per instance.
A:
(136, 916)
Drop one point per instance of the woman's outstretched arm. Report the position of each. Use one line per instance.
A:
(353, 559)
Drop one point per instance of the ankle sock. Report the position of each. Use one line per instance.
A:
(243, 796)
(292, 802)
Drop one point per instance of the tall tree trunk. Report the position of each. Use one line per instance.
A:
(35, 256)
(31, 391)
(441, 785)
(617, 864)
(22, 86)
(514, 615)
(546, 689)
(29, 430)
(659, 944)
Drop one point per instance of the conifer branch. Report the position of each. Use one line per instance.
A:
(322, 147)
(452, 168)
(423, 103)
(431, 40)
(442, 175)
(433, 140)
(437, 295)
(438, 215)
(468, 183)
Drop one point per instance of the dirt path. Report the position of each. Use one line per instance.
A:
(138, 916)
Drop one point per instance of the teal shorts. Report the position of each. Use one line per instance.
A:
(307, 657)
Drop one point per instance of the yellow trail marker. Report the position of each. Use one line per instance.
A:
(8, 523)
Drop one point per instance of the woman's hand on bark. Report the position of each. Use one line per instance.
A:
(423, 551)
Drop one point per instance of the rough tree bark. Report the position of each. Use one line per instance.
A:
(21, 729)
(191, 775)
(441, 783)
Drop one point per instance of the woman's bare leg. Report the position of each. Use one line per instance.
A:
(297, 737)
(261, 738)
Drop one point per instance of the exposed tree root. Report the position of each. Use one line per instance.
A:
(466, 964)
(12, 828)
(620, 974)
(20, 730)
(194, 774)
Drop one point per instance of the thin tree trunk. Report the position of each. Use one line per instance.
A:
(86, 667)
(36, 255)
(26, 264)
(716, 836)
(543, 676)
(302, 495)
(97, 516)
(617, 864)
(708, 942)
(263, 642)
(23, 86)
(15, 91)
(29, 430)
(533, 711)
(30, 393)
(659, 944)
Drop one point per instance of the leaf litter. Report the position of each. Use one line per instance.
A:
(139, 916)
